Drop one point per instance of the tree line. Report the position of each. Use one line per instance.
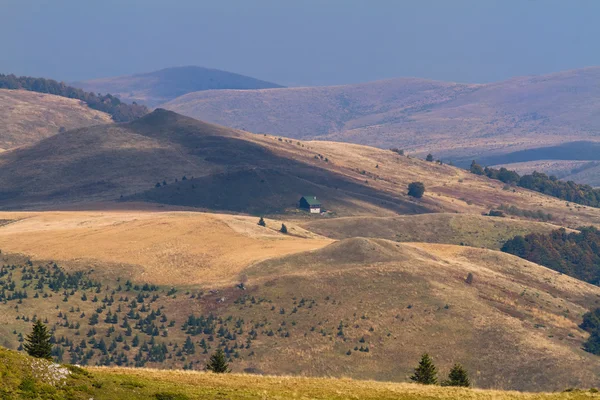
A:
(119, 111)
(576, 254)
(542, 183)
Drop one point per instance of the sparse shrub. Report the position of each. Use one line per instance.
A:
(416, 189)
(469, 279)
(426, 372)
(261, 222)
(496, 213)
(397, 151)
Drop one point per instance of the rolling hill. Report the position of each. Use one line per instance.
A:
(359, 308)
(453, 121)
(141, 244)
(235, 171)
(27, 117)
(154, 88)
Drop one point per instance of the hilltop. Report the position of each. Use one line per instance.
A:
(27, 117)
(451, 120)
(154, 88)
(170, 159)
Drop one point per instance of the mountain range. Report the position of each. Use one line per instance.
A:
(455, 122)
(154, 88)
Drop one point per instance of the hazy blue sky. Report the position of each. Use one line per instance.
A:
(301, 42)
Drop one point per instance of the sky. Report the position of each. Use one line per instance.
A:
(300, 42)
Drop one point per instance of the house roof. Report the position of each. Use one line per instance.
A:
(312, 200)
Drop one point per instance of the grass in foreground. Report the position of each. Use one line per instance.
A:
(24, 377)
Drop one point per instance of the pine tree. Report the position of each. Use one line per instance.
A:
(217, 363)
(261, 222)
(38, 342)
(425, 373)
(458, 377)
(283, 228)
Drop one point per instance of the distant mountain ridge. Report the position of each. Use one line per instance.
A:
(450, 120)
(154, 88)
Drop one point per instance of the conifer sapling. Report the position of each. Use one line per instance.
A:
(458, 377)
(426, 372)
(217, 363)
(37, 343)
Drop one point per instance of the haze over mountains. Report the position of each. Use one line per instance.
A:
(453, 121)
(154, 88)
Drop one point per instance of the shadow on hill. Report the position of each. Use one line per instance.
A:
(252, 179)
(230, 172)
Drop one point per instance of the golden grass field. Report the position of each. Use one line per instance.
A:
(26, 378)
(27, 117)
(198, 385)
(172, 248)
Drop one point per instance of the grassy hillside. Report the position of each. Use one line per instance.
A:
(450, 120)
(25, 378)
(361, 308)
(154, 88)
(27, 117)
(466, 229)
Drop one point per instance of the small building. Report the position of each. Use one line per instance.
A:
(310, 204)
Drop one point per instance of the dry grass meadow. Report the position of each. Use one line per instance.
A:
(199, 385)
(170, 248)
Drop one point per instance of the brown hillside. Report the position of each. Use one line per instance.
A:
(27, 117)
(420, 116)
(514, 327)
